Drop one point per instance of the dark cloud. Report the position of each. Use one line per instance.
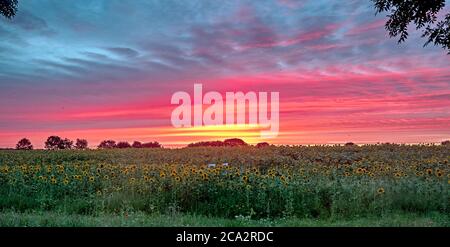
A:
(123, 51)
(29, 22)
(96, 56)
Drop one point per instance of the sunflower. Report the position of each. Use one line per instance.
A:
(429, 171)
(66, 181)
(91, 179)
(245, 178)
(60, 169)
(439, 174)
(380, 191)
(178, 179)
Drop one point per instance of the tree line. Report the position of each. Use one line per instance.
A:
(58, 143)
(233, 142)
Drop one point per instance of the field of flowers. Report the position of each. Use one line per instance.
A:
(271, 182)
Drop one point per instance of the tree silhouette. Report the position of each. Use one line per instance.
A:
(56, 142)
(233, 142)
(107, 144)
(24, 144)
(123, 145)
(81, 144)
(262, 145)
(8, 8)
(151, 145)
(424, 15)
(66, 144)
(136, 144)
(53, 142)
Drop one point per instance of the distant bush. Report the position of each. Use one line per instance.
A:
(107, 144)
(151, 145)
(445, 143)
(123, 145)
(136, 144)
(234, 142)
(227, 143)
(262, 145)
(81, 144)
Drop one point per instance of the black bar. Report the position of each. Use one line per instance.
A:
(268, 236)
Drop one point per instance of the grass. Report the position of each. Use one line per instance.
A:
(12, 218)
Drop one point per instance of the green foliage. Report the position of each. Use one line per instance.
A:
(423, 14)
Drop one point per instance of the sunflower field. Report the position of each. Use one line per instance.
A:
(229, 182)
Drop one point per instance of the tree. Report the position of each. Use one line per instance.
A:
(66, 144)
(445, 143)
(349, 144)
(151, 145)
(234, 142)
(56, 142)
(424, 15)
(24, 144)
(123, 145)
(262, 145)
(53, 142)
(207, 144)
(8, 8)
(136, 144)
(81, 144)
(227, 143)
(107, 144)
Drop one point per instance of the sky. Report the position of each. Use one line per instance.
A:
(107, 69)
